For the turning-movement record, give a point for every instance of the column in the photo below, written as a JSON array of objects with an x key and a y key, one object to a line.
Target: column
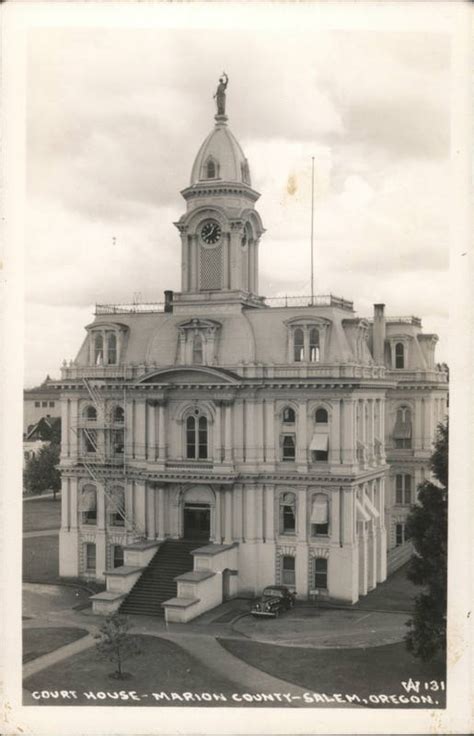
[
  {"x": 348, "y": 442},
  {"x": 370, "y": 430},
  {"x": 161, "y": 431},
  {"x": 348, "y": 512},
  {"x": 150, "y": 513},
  {"x": 64, "y": 427},
  {"x": 217, "y": 518},
  {"x": 225, "y": 263},
  {"x": 195, "y": 263},
  {"x": 238, "y": 433},
  {"x": 249, "y": 509},
  {"x": 101, "y": 508},
  {"x": 65, "y": 503},
  {"x": 129, "y": 508},
  {"x": 140, "y": 506},
  {"x": 301, "y": 434},
  {"x": 237, "y": 512},
  {"x": 417, "y": 426},
  {"x": 184, "y": 260},
  {"x": 140, "y": 429},
  {"x": 129, "y": 431},
  {"x": 270, "y": 430},
  {"x": 258, "y": 512},
  {"x": 151, "y": 434},
  {"x": 217, "y": 450},
  {"x": 269, "y": 513},
  {"x": 250, "y": 431},
  {"x": 302, "y": 516},
  {"x": 73, "y": 513},
  {"x": 228, "y": 517},
  {"x": 334, "y": 434},
  {"x": 259, "y": 438},
  {"x": 73, "y": 430},
  {"x": 228, "y": 432},
  {"x": 334, "y": 517},
  {"x": 161, "y": 513},
  {"x": 235, "y": 259}
]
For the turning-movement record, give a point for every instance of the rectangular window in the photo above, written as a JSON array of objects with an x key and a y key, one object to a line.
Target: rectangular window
[
  {"x": 51, "y": 403},
  {"x": 320, "y": 573},
  {"x": 288, "y": 447},
  {"x": 399, "y": 534},
  {"x": 37, "y": 404},
  {"x": 90, "y": 517},
  {"x": 90, "y": 557},
  {"x": 44, "y": 403},
  {"x": 288, "y": 570},
  {"x": 289, "y": 521},
  {"x": 118, "y": 558},
  {"x": 318, "y": 530},
  {"x": 403, "y": 489}
]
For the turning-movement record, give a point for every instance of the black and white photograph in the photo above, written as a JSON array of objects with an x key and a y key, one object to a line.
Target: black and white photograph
[{"x": 239, "y": 327}]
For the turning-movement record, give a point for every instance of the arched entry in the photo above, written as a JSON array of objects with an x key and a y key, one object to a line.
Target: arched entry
[{"x": 198, "y": 503}]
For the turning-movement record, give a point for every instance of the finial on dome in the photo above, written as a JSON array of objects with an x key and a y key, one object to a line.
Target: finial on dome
[{"x": 219, "y": 97}]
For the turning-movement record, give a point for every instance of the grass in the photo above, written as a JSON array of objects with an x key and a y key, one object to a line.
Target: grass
[
  {"x": 41, "y": 559},
  {"x": 162, "y": 667},
  {"x": 368, "y": 671},
  {"x": 41, "y": 514},
  {"x": 37, "y": 642}
]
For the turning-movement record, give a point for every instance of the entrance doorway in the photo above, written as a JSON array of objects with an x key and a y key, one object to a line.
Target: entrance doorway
[{"x": 197, "y": 521}]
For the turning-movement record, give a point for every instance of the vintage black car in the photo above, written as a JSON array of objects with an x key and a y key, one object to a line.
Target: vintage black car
[{"x": 275, "y": 598}]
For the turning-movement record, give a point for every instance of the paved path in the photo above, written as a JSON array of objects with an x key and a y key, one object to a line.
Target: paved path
[{"x": 36, "y": 665}]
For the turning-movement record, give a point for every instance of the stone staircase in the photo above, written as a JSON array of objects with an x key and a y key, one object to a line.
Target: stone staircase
[{"x": 157, "y": 582}]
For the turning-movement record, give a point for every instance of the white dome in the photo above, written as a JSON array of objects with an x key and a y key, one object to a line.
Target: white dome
[{"x": 221, "y": 158}]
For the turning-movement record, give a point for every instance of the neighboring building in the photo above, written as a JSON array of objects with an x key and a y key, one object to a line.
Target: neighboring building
[
  {"x": 259, "y": 428},
  {"x": 41, "y": 434},
  {"x": 41, "y": 401}
]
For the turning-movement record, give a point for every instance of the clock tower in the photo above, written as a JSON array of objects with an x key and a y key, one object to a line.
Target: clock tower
[{"x": 221, "y": 230}]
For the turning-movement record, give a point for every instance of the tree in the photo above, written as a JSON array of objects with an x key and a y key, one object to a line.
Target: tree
[
  {"x": 427, "y": 527},
  {"x": 116, "y": 644},
  {"x": 41, "y": 472}
]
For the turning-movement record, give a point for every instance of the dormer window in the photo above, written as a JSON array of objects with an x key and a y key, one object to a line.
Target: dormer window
[
  {"x": 298, "y": 345},
  {"x": 314, "y": 345},
  {"x": 99, "y": 349},
  {"x": 399, "y": 355},
  {"x": 198, "y": 342},
  {"x": 306, "y": 339}
]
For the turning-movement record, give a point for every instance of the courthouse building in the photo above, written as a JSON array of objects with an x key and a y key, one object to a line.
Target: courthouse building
[{"x": 233, "y": 441}]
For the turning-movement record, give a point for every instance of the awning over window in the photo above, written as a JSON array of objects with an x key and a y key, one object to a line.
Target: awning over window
[
  {"x": 320, "y": 442},
  {"x": 370, "y": 508},
  {"x": 87, "y": 500},
  {"x": 362, "y": 514},
  {"x": 319, "y": 511}
]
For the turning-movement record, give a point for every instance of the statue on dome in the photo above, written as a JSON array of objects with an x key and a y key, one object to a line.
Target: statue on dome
[{"x": 220, "y": 93}]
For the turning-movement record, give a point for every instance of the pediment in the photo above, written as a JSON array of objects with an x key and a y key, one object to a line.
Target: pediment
[
  {"x": 188, "y": 375},
  {"x": 198, "y": 323}
]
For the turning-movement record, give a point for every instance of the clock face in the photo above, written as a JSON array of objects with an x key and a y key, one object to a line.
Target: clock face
[{"x": 211, "y": 232}]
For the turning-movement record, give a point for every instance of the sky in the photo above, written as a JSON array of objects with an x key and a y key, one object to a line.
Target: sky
[{"x": 116, "y": 116}]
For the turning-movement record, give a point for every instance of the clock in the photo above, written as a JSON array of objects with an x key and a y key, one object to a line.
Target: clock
[{"x": 211, "y": 232}]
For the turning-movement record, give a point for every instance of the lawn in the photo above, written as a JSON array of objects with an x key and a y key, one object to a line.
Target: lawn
[
  {"x": 37, "y": 642},
  {"x": 163, "y": 667},
  {"x": 41, "y": 513},
  {"x": 41, "y": 559},
  {"x": 376, "y": 670}
]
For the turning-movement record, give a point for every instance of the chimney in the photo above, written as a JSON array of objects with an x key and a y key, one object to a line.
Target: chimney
[
  {"x": 378, "y": 338},
  {"x": 168, "y": 300}
]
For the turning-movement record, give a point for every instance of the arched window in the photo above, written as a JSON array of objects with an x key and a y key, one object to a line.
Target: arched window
[
  {"x": 298, "y": 342},
  {"x": 399, "y": 355},
  {"x": 111, "y": 348},
  {"x": 320, "y": 570},
  {"x": 98, "y": 349},
  {"x": 287, "y": 513},
  {"x": 288, "y": 415},
  {"x": 210, "y": 169},
  {"x": 320, "y": 515},
  {"x": 197, "y": 349},
  {"x": 314, "y": 345},
  {"x": 402, "y": 432},
  {"x": 196, "y": 437},
  {"x": 118, "y": 415},
  {"x": 116, "y": 506},
  {"x": 88, "y": 504},
  {"x": 90, "y": 412},
  {"x": 321, "y": 416}
]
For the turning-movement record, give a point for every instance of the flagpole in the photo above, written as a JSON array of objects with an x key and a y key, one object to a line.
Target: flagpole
[{"x": 312, "y": 230}]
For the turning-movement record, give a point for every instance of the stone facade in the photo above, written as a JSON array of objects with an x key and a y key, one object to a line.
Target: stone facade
[{"x": 277, "y": 426}]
